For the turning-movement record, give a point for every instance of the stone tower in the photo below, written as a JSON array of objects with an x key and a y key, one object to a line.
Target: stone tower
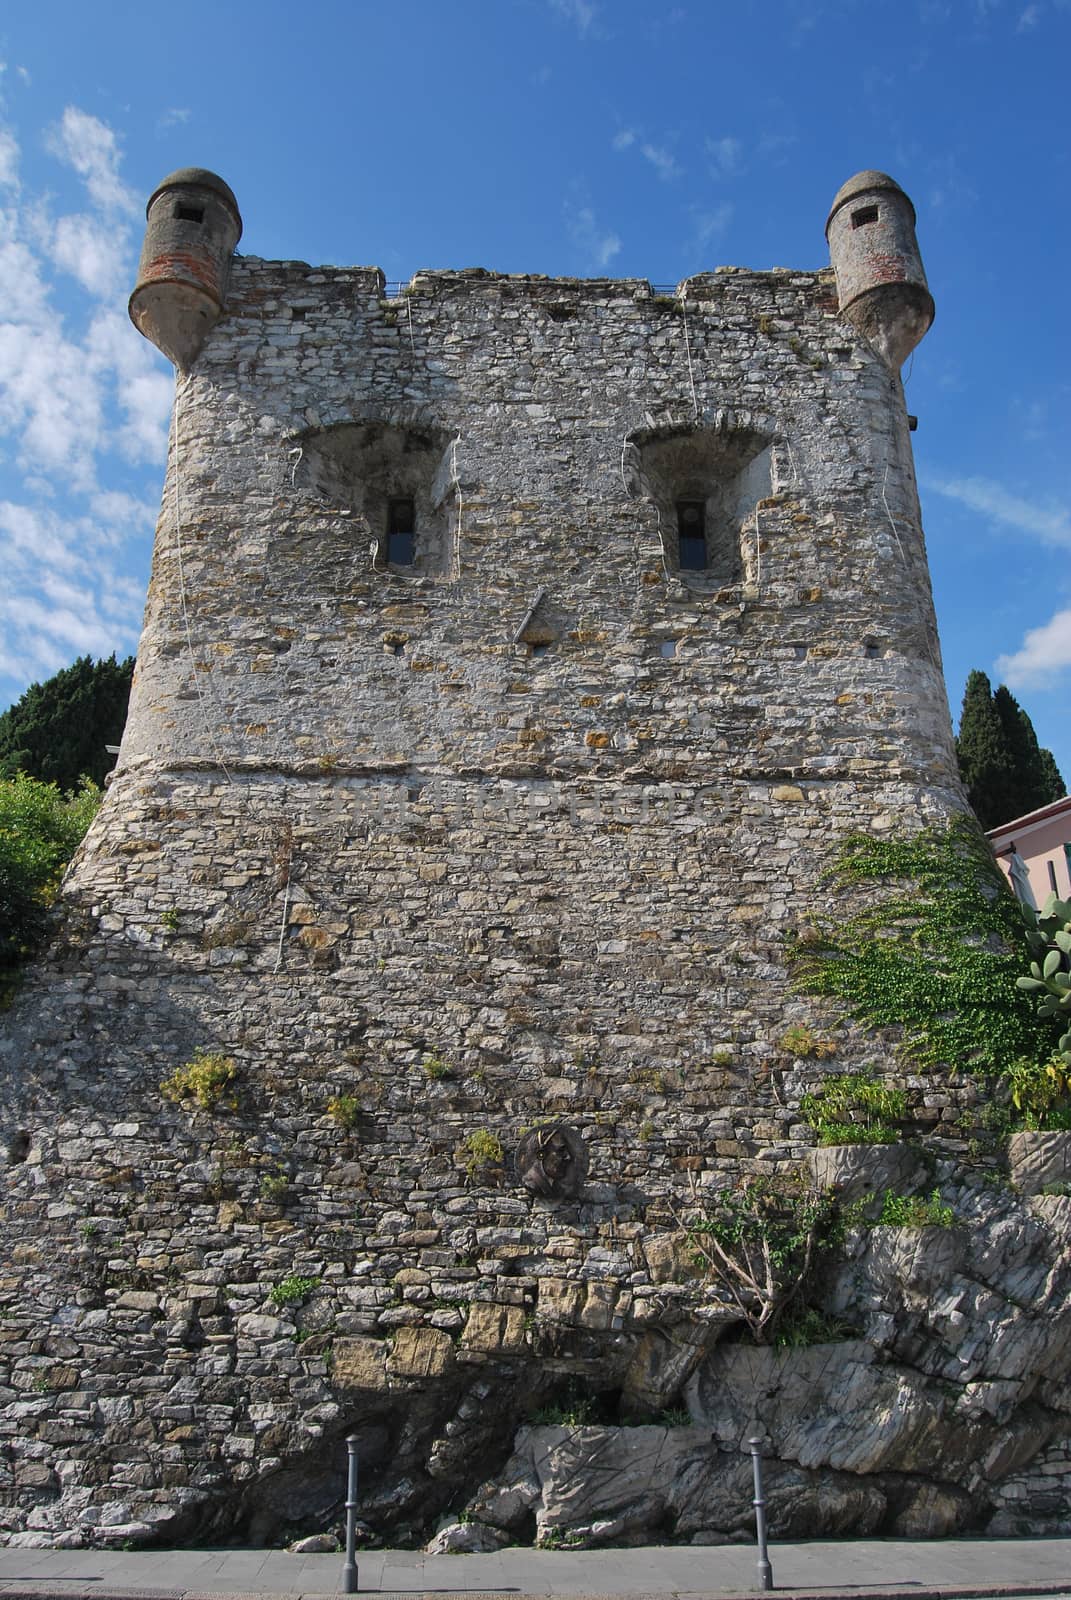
[{"x": 515, "y": 651}]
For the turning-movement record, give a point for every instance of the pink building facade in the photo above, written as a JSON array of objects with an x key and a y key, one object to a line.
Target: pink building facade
[{"x": 1035, "y": 852}]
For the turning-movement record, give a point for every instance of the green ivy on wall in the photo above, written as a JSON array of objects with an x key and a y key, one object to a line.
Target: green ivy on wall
[{"x": 936, "y": 953}]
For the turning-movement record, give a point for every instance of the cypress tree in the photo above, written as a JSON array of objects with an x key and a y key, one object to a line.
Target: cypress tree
[
  {"x": 1028, "y": 787},
  {"x": 985, "y": 763},
  {"x": 1054, "y": 783},
  {"x": 58, "y": 730},
  {"x": 1005, "y": 771}
]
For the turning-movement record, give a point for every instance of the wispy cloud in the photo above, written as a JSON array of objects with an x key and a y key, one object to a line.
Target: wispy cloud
[
  {"x": 725, "y": 157},
  {"x": 90, "y": 147},
  {"x": 599, "y": 247},
  {"x": 581, "y": 13},
  {"x": 660, "y": 156},
  {"x": 1050, "y": 523},
  {"x": 661, "y": 159},
  {"x": 173, "y": 117},
  {"x": 9, "y": 160},
  {"x": 1043, "y": 656},
  {"x": 710, "y": 226}
]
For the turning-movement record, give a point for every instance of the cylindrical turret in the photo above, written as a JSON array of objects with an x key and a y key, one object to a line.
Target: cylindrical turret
[
  {"x": 192, "y": 229},
  {"x": 881, "y": 285}
]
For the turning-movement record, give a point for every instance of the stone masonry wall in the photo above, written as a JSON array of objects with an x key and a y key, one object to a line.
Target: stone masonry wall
[{"x": 509, "y": 836}]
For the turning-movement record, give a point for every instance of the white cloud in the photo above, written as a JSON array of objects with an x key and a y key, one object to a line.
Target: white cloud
[
  {"x": 1051, "y": 523},
  {"x": 710, "y": 226},
  {"x": 89, "y": 146},
  {"x": 92, "y": 252},
  {"x": 119, "y": 355},
  {"x": 659, "y": 155},
  {"x": 725, "y": 156},
  {"x": 661, "y": 159},
  {"x": 173, "y": 117},
  {"x": 581, "y": 13},
  {"x": 9, "y": 160},
  {"x": 61, "y": 600},
  {"x": 51, "y": 400},
  {"x": 599, "y": 248},
  {"x": 84, "y": 402},
  {"x": 1044, "y": 654}
]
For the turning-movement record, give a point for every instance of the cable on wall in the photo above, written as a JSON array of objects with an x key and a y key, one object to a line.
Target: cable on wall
[
  {"x": 888, "y": 513},
  {"x": 456, "y": 483}
]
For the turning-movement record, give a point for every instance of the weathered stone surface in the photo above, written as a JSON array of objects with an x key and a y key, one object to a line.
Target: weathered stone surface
[
  {"x": 498, "y": 1329},
  {"x": 1038, "y": 1159},
  {"x": 865, "y": 1171},
  {"x": 420, "y": 1353},
  {"x": 359, "y": 1363},
  {"x": 466, "y": 1538}
]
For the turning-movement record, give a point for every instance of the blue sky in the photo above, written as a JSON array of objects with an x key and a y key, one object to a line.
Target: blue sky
[{"x": 580, "y": 137}]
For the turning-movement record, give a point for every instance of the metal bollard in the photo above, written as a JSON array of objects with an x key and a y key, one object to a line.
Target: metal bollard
[
  {"x": 349, "y": 1571},
  {"x": 765, "y": 1571}
]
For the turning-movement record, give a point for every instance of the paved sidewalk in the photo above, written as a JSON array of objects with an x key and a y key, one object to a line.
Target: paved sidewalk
[{"x": 869, "y": 1568}]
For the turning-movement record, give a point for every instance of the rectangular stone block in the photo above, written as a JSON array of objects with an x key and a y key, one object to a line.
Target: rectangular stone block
[
  {"x": 359, "y": 1363},
  {"x": 494, "y": 1328},
  {"x": 420, "y": 1353}
]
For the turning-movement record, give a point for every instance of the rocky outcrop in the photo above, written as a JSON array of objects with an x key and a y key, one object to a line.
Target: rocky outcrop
[{"x": 948, "y": 1412}]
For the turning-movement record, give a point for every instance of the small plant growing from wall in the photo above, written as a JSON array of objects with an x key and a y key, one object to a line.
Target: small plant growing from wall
[
  {"x": 275, "y": 1188},
  {"x": 293, "y": 1291},
  {"x": 481, "y": 1152},
  {"x": 436, "y": 1068},
  {"x": 799, "y": 1040},
  {"x": 344, "y": 1110},
  {"x": 1041, "y": 1091},
  {"x": 855, "y": 1109},
  {"x": 203, "y": 1079},
  {"x": 915, "y": 1211}
]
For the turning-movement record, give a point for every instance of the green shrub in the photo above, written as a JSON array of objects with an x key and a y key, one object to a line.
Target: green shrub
[
  {"x": 40, "y": 829},
  {"x": 855, "y": 1109},
  {"x": 915, "y": 1211},
  {"x": 761, "y": 1243}
]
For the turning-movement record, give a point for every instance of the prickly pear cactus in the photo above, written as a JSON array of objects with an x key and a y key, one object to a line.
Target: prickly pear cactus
[{"x": 1048, "y": 933}]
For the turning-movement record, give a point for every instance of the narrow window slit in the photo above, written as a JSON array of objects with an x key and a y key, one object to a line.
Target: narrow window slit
[
  {"x": 692, "y": 535},
  {"x": 401, "y": 533},
  {"x": 866, "y": 215},
  {"x": 189, "y": 213}
]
